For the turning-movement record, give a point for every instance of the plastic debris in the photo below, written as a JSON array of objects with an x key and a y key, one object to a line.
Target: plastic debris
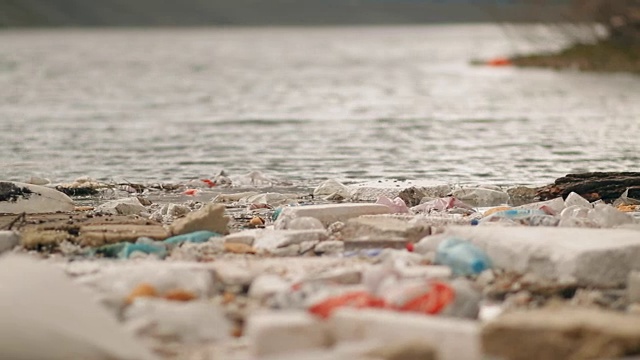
[
  {"x": 442, "y": 204},
  {"x": 358, "y": 300},
  {"x": 194, "y": 237},
  {"x": 462, "y": 257},
  {"x": 396, "y": 205}
]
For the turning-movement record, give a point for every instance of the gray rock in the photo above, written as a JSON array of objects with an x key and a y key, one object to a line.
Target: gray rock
[
  {"x": 16, "y": 198},
  {"x": 8, "y": 240}
]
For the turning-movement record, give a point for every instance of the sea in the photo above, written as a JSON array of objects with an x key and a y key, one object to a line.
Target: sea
[{"x": 305, "y": 104}]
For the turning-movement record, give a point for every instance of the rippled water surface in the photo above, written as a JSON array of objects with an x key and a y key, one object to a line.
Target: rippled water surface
[{"x": 305, "y": 104}]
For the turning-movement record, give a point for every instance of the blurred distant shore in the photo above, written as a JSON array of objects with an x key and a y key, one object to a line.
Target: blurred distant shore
[{"x": 604, "y": 56}]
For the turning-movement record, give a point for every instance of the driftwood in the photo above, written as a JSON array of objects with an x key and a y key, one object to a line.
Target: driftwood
[{"x": 593, "y": 186}]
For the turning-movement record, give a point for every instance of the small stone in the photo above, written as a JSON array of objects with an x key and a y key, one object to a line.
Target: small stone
[
  {"x": 176, "y": 210},
  {"x": 481, "y": 196},
  {"x": 305, "y": 223},
  {"x": 405, "y": 350},
  {"x": 633, "y": 286},
  {"x": 8, "y": 240},
  {"x": 267, "y": 285},
  {"x": 330, "y": 247},
  {"x": 290, "y": 250},
  {"x": 239, "y": 248},
  {"x": 412, "y": 196},
  {"x": 128, "y": 206}
]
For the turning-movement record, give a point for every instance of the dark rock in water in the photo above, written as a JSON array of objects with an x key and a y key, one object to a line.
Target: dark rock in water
[
  {"x": 11, "y": 192},
  {"x": 412, "y": 196},
  {"x": 593, "y": 186},
  {"x": 77, "y": 191}
]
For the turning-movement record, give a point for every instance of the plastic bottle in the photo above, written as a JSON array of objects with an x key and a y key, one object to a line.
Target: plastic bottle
[{"x": 462, "y": 257}]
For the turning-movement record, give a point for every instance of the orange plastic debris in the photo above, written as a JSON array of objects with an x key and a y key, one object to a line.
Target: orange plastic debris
[
  {"x": 627, "y": 208},
  {"x": 358, "y": 299},
  {"x": 499, "y": 61},
  {"x": 495, "y": 210},
  {"x": 179, "y": 295},
  {"x": 256, "y": 221},
  {"x": 142, "y": 290}
]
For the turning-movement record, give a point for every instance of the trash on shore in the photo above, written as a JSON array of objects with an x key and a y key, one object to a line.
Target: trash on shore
[{"x": 263, "y": 268}]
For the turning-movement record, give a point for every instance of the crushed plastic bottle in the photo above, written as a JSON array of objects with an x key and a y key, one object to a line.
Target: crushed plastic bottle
[
  {"x": 462, "y": 257},
  {"x": 514, "y": 214}
]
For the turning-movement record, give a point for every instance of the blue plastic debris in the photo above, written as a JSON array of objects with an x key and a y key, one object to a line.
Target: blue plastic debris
[
  {"x": 276, "y": 213},
  {"x": 363, "y": 253},
  {"x": 475, "y": 222},
  {"x": 158, "y": 249},
  {"x": 194, "y": 237},
  {"x": 516, "y": 214},
  {"x": 462, "y": 257}
]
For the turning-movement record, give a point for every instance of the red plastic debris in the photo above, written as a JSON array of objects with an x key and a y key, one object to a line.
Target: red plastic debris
[
  {"x": 433, "y": 301},
  {"x": 209, "y": 183},
  {"x": 358, "y": 300},
  {"x": 410, "y": 247},
  {"x": 190, "y": 192},
  {"x": 499, "y": 61}
]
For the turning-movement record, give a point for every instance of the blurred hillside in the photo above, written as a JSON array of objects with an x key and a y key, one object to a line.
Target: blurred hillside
[{"x": 43, "y": 13}]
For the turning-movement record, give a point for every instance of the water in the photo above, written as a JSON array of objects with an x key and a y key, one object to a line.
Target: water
[{"x": 305, "y": 104}]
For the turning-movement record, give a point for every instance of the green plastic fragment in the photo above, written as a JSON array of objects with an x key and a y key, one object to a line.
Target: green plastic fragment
[
  {"x": 194, "y": 237},
  {"x": 159, "y": 249}
]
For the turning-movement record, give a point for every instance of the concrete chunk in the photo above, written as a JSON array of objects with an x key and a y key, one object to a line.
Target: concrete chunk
[
  {"x": 562, "y": 334},
  {"x": 453, "y": 339},
  {"x": 330, "y": 213},
  {"x": 210, "y": 217},
  {"x": 272, "y": 239},
  {"x": 370, "y": 191},
  {"x": 126, "y": 206},
  {"x": 381, "y": 226},
  {"x": 282, "y": 333},
  {"x": 590, "y": 257},
  {"x": 46, "y": 316}
]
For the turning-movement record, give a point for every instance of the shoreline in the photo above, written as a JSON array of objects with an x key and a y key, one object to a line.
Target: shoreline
[{"x": 605, "y": 56}]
